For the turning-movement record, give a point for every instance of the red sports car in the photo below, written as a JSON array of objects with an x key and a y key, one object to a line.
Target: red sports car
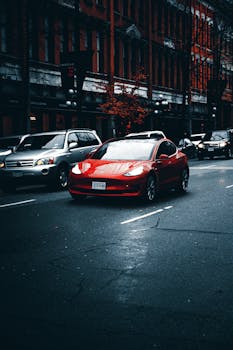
[{"x": 130, "y": 168}]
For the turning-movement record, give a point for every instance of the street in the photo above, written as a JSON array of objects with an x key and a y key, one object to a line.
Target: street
[{"x": 112, "y": 273}]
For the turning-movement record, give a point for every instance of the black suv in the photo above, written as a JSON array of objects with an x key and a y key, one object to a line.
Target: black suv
[
  {"x": 47, "y": 157},
  {"x": 216, "y": 143}
]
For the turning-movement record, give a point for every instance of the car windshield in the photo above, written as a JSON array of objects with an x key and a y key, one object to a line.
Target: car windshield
[
  {"x": 216, "y": 135},
  {"x": 196, "y": 138},
  {"x": 36, "y": 142},
  {"x": 9, "y": 143},
  {"x": 126, "y": 150}
]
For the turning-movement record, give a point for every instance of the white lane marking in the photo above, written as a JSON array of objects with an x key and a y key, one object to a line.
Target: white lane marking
[
  {"x": 212, "y": 167},
  {"x": 169, "y": 207},
  {"x": 229, "y": 186},
  {"x": 16, "y": 203},
  {"x": 145, "y": 215}
]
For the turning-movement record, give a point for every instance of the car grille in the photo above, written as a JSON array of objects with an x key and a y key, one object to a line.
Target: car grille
[{"x": 18, "y": 164}]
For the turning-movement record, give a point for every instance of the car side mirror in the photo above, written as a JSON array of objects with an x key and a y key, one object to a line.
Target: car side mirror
[
  {"x": 73, "y": 145},
  {"x": 163, "y": 156}
]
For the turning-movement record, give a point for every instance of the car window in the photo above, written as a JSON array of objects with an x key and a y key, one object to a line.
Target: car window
[
  {"x": 92, "y": 139},
  {"x": 216, "y": 135},
  {"x": 72, "y": 137},
  {"x": 83, "y": 139},
  {"x": 37, "y": 142},
  {"x": 167, "y": 148},
  {"x": 125, "y": 150}
]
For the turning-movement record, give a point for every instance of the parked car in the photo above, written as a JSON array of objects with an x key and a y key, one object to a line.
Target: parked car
[
  {"x": 151, "y": 134},
  {"x": 130, "y": 168},
  {"x": 186, "y": 146},
  {"x": 47, "y": 157},
  {"x": 196, "y": 138},
  {"x": 216, "y": 143},
  {"x": 9, "y": 143}
]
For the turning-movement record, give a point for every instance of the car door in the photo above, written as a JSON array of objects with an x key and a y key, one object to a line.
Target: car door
[
  {"x": 75, "y": 152},
  {"x": 167, "y": 167}
]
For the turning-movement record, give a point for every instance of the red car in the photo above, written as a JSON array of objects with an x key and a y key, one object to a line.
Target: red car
[{"x": 130, "y": 168}]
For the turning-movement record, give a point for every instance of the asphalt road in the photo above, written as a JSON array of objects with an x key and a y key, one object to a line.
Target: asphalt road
[{"x": 117, "y": 273}]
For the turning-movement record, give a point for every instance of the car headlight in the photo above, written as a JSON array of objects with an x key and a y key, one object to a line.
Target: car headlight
[
  {"x": 200, "y": 145},
  {"x": 45, "y": 161},
  {"x": 76, "y": 170},
  {"x": 135, "y": 172},
  {"x": 2, "y": 164},
  {"x": 222, "y": 144}
]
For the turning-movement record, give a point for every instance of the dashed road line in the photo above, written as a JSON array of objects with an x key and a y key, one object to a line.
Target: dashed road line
[
  {"x": 211, "y": 167},
  {"x": 146, "y": 215},
  {"x": 16, "y": 203},
  {"x": 229, "y": 186}
]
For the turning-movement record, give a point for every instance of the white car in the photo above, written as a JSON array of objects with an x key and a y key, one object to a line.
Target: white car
[
  {"x": 196, "y": 138},
  {"x": 151, "y": 134}
]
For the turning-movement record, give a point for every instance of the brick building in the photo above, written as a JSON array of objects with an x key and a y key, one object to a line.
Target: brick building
[{"x": 185, "y": 47}]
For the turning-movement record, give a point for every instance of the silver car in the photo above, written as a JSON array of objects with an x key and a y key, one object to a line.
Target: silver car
[{"x": 46, "y": 158}]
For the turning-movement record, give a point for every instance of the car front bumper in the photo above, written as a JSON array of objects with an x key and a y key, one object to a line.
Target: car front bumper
[{"x": 37, "y": 174}]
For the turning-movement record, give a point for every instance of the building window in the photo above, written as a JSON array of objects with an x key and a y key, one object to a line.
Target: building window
[
  {"x": 116, "y": 55},
  {"x": 133, "y": 60},
  {"x": 132, "y": 9},
  {"x": 166, "y": 20},
  {"x": 100, "y": 52},
  {"x": 125, "y": 8},
  {"x": 33, "y": 37},
  {"x": 160, "y": 68},
  {"x": 46, "y": 38},
  {"x": 159, "y": 17},
  {"x": 141, "y": 13},
  {"x": 88, "y": 40},
  {"x": 125, "y": 60},
  {"x": 3, "y": 29},
  {"x": 116, "y": 5},
  {"x": 99, "y": 2}
]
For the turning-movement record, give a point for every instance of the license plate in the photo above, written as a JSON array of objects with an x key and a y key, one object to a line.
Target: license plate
[
  {"x": 97, "y": 185},
  {"x": 210, "y": 149}
]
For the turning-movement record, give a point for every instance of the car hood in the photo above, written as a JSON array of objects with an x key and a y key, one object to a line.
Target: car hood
[
  {"x": 5, "y": 152},
  {"x": 34, "y": 154},
  {"x": 96, "y": 167}
]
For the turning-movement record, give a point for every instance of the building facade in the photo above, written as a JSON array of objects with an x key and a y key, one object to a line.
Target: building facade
[{"x": 184, "y": 46}]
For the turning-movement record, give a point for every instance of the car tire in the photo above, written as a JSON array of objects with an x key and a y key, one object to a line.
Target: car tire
[
  {"x": 200, "y": 157},
  {"x": 61, "y": 180},
  {"x": 184, "y": 179},
  {"x": 150, "y": 189}
]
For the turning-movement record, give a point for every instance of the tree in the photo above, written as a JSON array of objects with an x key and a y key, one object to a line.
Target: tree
[{"x": 126, "y": 104}]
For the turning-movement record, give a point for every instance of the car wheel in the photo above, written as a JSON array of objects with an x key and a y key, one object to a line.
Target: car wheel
[
  {"x": 62, "y": 177},
  {"x": 151, "y": 189},
  {"x": 184, "y": 179}
]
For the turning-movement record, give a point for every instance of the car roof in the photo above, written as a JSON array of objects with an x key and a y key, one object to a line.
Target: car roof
[
  {"x": 61, "y": 132},
  {"x": 149, "y": 132}
]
